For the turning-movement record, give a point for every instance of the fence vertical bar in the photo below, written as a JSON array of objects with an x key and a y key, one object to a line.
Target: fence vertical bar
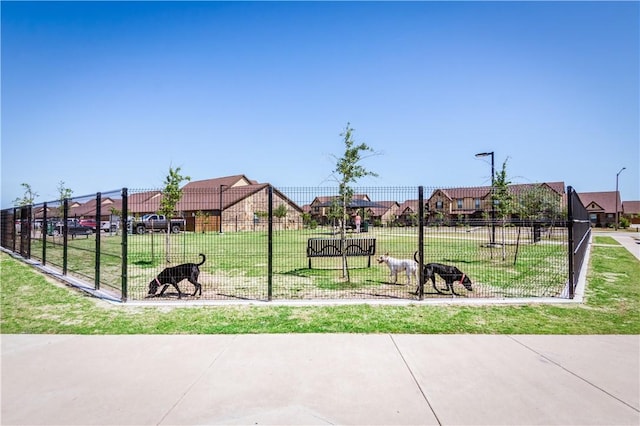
[
  {"x": 421, "y": 242},
  {"x": 13, "y": 230},
  {"x": 270, "y": 245},
  {"x": 65, "y": 235},
  {"x": 44, "y": 230},
  {"x": 570, "y": 224},
  {"x": 125, "y": 230},
  {"x": 98, "y": 217},
  {"x": 25, "y": 237}
]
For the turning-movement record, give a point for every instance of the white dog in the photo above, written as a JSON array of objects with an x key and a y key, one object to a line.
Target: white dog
[{"x": 399, "y": 265}]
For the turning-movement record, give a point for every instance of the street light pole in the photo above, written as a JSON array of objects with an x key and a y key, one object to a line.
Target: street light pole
[
  {"x": 493, "y": 204},
  {"x": 616, "y": 195}
]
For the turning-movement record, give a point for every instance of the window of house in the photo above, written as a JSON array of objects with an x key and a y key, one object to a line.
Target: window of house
[
  {"x": 477, "y": 203},
  {"x": 459, "y": 203},
  {"x": 439, "y": 204}
]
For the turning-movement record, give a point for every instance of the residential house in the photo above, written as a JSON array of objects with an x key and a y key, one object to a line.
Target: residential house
[
  {"x": 89, "y": 208},
  {"x": 320, "y": 207},
  {"x": 407, "y": 214},
  {"x": 451, "y": 205},
  {"x": 602, "y": 207},
  {"x": 240, "y": 202},
  {"x": 385, "y": 214},
  {"x": 631, "y": 211}
]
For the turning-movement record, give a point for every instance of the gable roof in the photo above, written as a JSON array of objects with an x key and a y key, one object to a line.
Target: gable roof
[
  {"x": 89, "y": 208},
  {"x": 484, "y": 191},
  {"x": 408, "y": 207},
  {"x": 605, "y": 201},
  {"x": 386, "y": 206},
  {"x": 209, "y": 198},
  {"x": 631, "y": 207},
  {"x": 329, "y": 198},
  {"x": 228, "y": 181}
]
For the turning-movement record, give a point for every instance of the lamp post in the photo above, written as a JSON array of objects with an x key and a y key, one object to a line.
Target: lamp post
[
  {"x": 221, "y": 207},
  {"x": 493, "y": 204},
  {"x": 616, "y": 195}
]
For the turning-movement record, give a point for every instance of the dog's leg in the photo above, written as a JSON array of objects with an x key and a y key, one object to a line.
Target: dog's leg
[
  {"x": 432, "y": 275},
  {"x": 452, "y": 290},
  {"x": 175, "y": 284},
  {"x": 193, "y": 279},
  {"x": 163, "y": 290},
  {"x": 197, "y": 285}
]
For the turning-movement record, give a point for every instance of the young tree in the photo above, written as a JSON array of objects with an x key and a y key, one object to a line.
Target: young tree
[
  {"x": 63, "y": 192},
  {"x": 171, "y": 195},
  {"x": 504, "y": 201},
  {"x": 28, "y": 198},
  {"x": 348, "y": 170},
  {"x": 281, "y": 213}
]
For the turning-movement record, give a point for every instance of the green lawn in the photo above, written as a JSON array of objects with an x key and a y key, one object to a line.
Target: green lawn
[
  {"x": 32, "y": 303},
  {"x": 237, "y": 263}
]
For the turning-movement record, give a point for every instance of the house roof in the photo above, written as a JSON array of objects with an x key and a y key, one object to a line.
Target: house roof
[
  {"x": 205, "y": 195},
  {"x": 209, "y": 198},
  {"x": 605, "y": 201},
  {"x": 228, "y": 181},
  {"x": 89, "y": 208},
  {"x": 409, "y": 206},
  {"x": 631, "y": 207},
  {"x": 381, "y": 211},
  {"x": 326, "y": 199},
  {"x": 143, "y": 202},
  {"x": 484, "y": 191}
]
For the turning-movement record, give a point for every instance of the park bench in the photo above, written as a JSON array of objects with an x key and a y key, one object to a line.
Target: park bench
[{"x": 330, "y": 247}]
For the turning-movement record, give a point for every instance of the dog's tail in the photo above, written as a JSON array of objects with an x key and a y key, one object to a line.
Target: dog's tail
[
  {"x": 415, "y": 257},
  {"x": 204, "y": 259}
]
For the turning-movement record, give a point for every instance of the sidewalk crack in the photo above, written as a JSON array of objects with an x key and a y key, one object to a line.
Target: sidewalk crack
[
  {"x": 415, "y": 379},
  {"x": 196, "y": 381},
  {"x": 557, "y": 364}
]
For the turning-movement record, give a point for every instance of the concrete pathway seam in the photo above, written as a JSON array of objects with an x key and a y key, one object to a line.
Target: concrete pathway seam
[
  {"x": 573, "y": 374},
  {"x": 413, "y": 376},
  {"x": 195, "y": 382}
]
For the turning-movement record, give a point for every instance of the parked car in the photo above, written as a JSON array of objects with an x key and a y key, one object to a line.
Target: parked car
[
  {"x": 108, "y": 226},
  {"x": 156, "y": 222},
  {"x": 73, "y": 228},
  {"x": 90, "y": 223}
]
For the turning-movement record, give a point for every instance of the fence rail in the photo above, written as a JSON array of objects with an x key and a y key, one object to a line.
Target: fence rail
[{"x": 256, "y": 243}]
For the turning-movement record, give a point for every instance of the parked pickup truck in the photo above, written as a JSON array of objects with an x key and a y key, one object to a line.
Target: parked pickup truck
[{"x": 156, "y": 222}]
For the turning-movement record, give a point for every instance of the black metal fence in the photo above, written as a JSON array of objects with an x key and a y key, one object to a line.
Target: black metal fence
[
  {"x": 579, "y": 236},
  {"x": 265, "y": 243}
]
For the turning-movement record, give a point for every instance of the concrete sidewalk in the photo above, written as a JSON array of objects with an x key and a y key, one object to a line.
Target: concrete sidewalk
[{"x": 320, "y": 379}]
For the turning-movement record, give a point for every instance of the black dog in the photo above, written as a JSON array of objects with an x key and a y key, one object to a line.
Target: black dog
[
  {"x": 449, "y": 274},
  {"x": 173, "y": 275}
]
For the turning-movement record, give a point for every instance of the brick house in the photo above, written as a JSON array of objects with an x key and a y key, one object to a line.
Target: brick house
[
  {"x": 465, "y": 204},
  {"x": 242, "y": 203},
  {"x": 631, "y": 211},
  {"x": 319, "y": 208},
  {"x": 602, "y": 207}
]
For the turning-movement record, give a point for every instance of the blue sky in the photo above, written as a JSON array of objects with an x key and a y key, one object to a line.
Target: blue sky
[{"x": 105, "y": 95}]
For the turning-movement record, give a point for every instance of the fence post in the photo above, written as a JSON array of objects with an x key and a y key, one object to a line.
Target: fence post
[
  {"x": 570, "y": 224},
  {"x": 98, "y": 217},
  {"x": 25, "y": 237},
  {"x": 125, "y": 230},
  {"x": 44, "y": 229},
  {"x": 13, "y": 230},
  {"x": 65, "y": 235},
  {"x": 421, "y": 242},
  {"x": 270, "y": 244}
]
